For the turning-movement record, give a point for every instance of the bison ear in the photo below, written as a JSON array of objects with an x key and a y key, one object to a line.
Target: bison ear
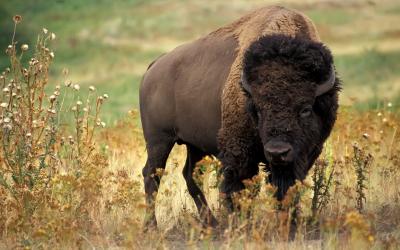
[{"x": 245, "y": 85}]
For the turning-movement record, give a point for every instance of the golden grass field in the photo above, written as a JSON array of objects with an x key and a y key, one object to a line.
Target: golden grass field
[{"x": 70, "y": 172}]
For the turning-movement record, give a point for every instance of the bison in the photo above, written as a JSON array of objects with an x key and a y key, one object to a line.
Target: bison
[{"x": 262, "y": 89}]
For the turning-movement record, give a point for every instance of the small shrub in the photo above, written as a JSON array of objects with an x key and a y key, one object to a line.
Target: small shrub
[
  {"x": 50, "y": 182},
  {"x": 361, "y": 162}
]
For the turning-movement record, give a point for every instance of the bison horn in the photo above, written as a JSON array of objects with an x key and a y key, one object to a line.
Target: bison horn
[
  {"x": 245, "y": 85},
  {"x": 328, "y": 84}
]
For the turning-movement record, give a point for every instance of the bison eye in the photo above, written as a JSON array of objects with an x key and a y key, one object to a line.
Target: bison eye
[{"x": 306, "y": 112}]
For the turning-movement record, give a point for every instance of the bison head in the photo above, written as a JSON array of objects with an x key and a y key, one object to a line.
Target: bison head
[{"x": 292, "y": 100}]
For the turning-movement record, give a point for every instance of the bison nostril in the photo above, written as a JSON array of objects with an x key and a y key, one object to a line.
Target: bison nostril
[{"x": 280, "y": 151}]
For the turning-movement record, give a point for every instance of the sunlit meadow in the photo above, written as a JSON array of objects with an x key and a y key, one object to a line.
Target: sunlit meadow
[{"x": 70, "y": 173}]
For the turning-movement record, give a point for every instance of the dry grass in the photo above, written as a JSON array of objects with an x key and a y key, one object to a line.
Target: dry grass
[{"x": 63, "y": 186}]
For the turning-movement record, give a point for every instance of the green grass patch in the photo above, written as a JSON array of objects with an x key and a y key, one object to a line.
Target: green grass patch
[
  {"x": 331, "y": 16},
  {"x": 368, "y": 68}
]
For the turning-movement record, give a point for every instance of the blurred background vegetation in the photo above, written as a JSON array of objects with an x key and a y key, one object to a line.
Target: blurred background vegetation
[{"x": 109, "y": 44}]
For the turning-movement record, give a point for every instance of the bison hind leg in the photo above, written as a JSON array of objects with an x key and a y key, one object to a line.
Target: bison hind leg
[
  {"x": 193, "y": 156},
  {"x": 157, "y": 155}
]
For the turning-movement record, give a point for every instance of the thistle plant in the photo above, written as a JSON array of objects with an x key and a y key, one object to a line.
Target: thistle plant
[
  {"x": 41, "y": 166},
  {"x": 322, "y": 180},
  {"x": 361, "y": 162},
  {"x": 28, "y": 120}
]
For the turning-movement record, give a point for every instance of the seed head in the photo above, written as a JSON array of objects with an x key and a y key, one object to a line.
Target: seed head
[
  {"x": 17, "y": 19},
  {"x": 103, "y": 124},
  {"x": 6, "y": 90},
  {"x": 74, "y": 108},
  {"x": 78, "y": 103},
  {"x": 76, "y": 87},
  {"x": 45, "y": 30},
  {"x": 6, "y": 120},
  {"x": 51, "y": 111},
  {"x": 9, "y": 50},
  {"x": 51, "y": 55},
  {"x": 52, "y": 36},
  {"x": 52, "y": 98},
  {"x": 68, "y": 83},
  {"x": 24, "y": 47},
  {"x": 28, "y": 135},
  {"x": 33, "y": 62},
  {"x": 105, "y": 96},
  {"x": 92, "y": 88},
  {"x": 4, "y": 105},
  {"x": 7, "y": 127},
  {"x": 389, "y": 104}
]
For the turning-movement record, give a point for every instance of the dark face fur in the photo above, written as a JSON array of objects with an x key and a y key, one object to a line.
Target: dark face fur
[{"x": 283, "y": 104}]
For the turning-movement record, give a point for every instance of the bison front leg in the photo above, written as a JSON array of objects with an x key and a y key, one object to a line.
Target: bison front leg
[{"x": 237, "y": 165}]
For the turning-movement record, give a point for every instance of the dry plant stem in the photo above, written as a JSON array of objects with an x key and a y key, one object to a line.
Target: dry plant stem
[{"x": 391, "y": 145}]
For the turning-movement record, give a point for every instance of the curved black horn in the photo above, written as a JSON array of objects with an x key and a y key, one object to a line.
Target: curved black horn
[
  {"x": 245, "y": 85},
  {"x": 328, "y": 84}
]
